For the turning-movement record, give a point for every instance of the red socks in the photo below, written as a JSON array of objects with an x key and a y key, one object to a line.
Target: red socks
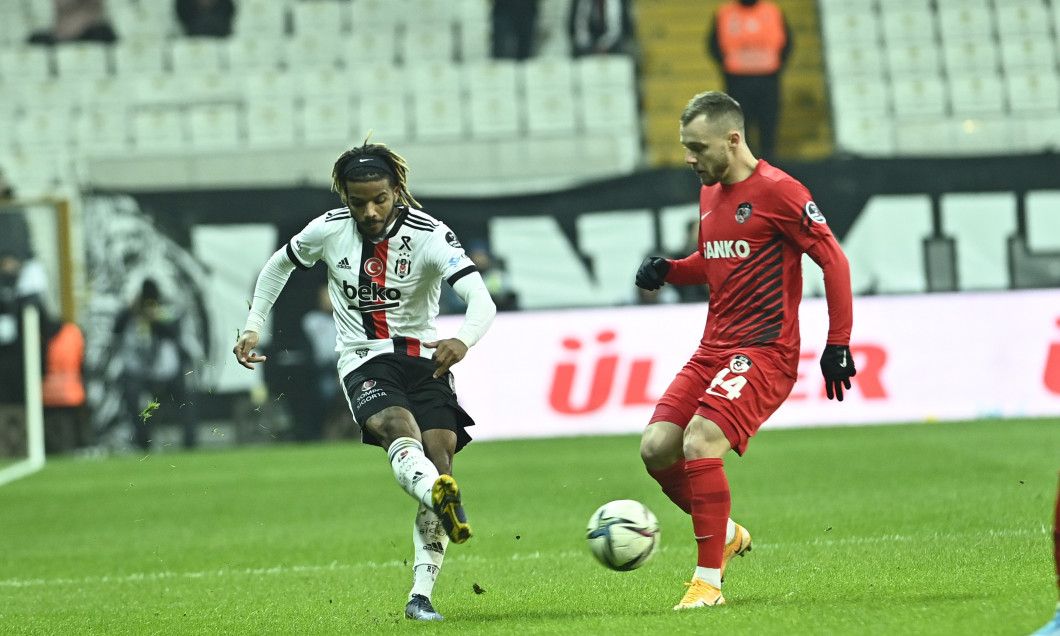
[
  {"x": 674, "y": 484},
  {"x": 711, "y": 503}
]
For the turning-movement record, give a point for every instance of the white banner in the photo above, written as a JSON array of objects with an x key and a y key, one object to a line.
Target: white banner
[{"x": 919, "y": 358}]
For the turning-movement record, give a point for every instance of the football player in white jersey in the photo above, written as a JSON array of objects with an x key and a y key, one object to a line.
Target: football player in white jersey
[{"x": 386, "y": 260}]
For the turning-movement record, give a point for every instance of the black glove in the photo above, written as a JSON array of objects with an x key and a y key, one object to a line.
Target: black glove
[
  {"x": 837, "y": 365},
  {"x": 652, "y": 272}
]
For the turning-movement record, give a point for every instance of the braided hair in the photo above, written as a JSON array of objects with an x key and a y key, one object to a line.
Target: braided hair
[{"x": 371, "y": 162}]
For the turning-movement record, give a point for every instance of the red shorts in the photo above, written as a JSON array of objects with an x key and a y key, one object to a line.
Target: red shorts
[{"x": 737, "y": 389}]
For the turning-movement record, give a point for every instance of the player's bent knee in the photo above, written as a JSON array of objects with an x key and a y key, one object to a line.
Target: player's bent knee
[
  {"x": 659, "y": 448},
  {"x": 391, "y": 423}
]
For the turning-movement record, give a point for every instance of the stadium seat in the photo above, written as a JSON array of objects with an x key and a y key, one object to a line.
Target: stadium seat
[
  {"x": 1042, "y": 230},
  {"x": 45, "y": 126},
  {"x": 159, "y": 88},
  {"x": 973, "y": 54},
  {"x": 214, "y": 126},
  {"x": 438, "y": 14},
  {"x": 609, "y": 112},
  {"x": 473, "y": 41},
  {"x": 965, "y": 23},
  {"x": 139, "y": 55},
  {"x": 494, "y": 76},
  {"x": 201, "y": 54},
  {"x": 270, "y": 123},
  {"x": 386, "y": 115},
  {"x": 1033, "y": 91},
  {"x": 327, "y": 121},
  {"x": 82, "y": 60},
  {"x": 912, "y": 57},
  {"x": 985, "y": 134},
  {"x": 323, "y": 18},
  {"x": 387, "y": 78},
  {"x": 923, "y": 136},
  {"x": 864, "y": 134},
  {"x": 973, "y": 92},
  {"x": 23, "y": 62},
  {"x": 260, "y": 19},
  {"x": 495, "y": 115},
  {"x": 852, "y": 59},
  {"x": 323, "y": 83},
  {"x": 309, "y": 50},
  {"x": 907, "y": 25},
  {"x": 108, "y": 91},
  {"x": 46, "y": 93},
  {"x": 615, "y": 72},
  {"x": 1022, "y": 18},
  {"x": 1039, "y": 131},
  {"x": 262, "y": 52},
  {"x": 550, "y": 111},
  {"x": 158, "y": 129},
  {"x": 267, "y": 85},
  {"x": 947, "y": 5},
  {"x": 1027, "y": 53},
  {"x": 548, "y": 72},
  {"x": 208, "y": 87},
  {"x": 438, "y": 76},
  {"x": 850, "y": 25},
  {"x": 427, "y": 42},
  {"x": 369, "y": 45},
  {"x": 439, "y": 115},
  {"x": 143, "y": 19},
  {"x": 373, "y": 15},
  {"x": 919, "y": 94},
  {"x": 861, "y": 95},
  {"x": 102, "y": 129}
]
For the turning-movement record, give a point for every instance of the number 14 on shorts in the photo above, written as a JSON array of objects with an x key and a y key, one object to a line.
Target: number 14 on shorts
[{"x": 725, "y": 386}]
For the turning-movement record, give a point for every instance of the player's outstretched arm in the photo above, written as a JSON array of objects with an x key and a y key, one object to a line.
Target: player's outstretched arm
[{"x": 244, "y": 350}]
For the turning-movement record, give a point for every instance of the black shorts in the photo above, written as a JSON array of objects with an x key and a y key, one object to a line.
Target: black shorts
[{"x": 409, "y": 382}]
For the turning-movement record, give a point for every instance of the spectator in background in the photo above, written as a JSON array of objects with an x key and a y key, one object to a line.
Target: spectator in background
[
  {"x": 599, "y": 27},
  {"x": 318, "y": 324},
  {"x": 147, "y": 334},
  {"x": 77, "y": 21},
  {"x": 514, "y": 24},
  {"x": 13, "y": 300},
  {"x": 494, "y": 275},
  {"x": 211, "y": 18},
  {"x": 751, "y": 41}
]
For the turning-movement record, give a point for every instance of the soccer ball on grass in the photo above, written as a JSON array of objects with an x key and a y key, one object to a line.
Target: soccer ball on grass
[{"x": 623, "y": 534}]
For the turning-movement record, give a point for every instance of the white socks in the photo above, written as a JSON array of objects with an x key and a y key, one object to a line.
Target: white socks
[
  {"x": 429, "y": 540},
  {"x": 412, "y": 469},
  {"x": 713, "y": 575}
]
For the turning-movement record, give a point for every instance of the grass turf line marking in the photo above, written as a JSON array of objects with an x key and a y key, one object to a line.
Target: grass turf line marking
[{"x": 335, "y": 566}]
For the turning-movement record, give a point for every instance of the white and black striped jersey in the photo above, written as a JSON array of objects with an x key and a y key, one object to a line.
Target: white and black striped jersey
[{"x": 385, "y": 294}]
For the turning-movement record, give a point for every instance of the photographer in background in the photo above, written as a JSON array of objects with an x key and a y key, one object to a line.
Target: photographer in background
[{"x": 147, "y": 334}]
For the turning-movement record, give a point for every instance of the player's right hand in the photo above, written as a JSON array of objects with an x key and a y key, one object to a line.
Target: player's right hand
[
  {"x": 652, "y": 273},
  {"x": 837, "y": 366},
  {"x": 244, "y": 349}
]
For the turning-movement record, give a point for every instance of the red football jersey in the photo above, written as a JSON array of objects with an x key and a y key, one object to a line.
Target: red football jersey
[{"x": 752, "y": 235}]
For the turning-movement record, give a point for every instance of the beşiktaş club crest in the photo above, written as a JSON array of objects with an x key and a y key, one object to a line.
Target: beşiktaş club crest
[
  {"x": 452, "y": 240},
  {"x": 739, "y": 363},
  {"x": 402, "y": 265},
  {"x": 743, "y": 212}
]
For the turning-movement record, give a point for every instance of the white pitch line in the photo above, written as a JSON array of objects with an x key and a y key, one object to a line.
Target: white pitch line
[{"x": 335, "y": 566}]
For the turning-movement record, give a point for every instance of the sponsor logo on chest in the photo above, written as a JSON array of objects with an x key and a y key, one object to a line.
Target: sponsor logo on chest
[{"x": 726, "y": 249}]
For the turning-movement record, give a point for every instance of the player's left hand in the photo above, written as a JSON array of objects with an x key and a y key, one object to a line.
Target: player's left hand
[
  {"x": 446, "y": 353},
  {"x": 837, "y": 365}
]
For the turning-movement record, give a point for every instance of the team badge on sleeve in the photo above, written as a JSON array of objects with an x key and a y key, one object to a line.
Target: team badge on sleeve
[
  {"x": 452, "y": 240},
  {"x": 813, "y": 213}
]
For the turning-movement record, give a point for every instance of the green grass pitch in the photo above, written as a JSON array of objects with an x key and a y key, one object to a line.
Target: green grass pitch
[{"x": 918, "y": 529}]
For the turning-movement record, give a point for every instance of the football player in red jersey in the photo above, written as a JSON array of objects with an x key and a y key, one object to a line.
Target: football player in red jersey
[
  {"x": 756, "y": 222},
  {"x": 1052, "y": 628}
]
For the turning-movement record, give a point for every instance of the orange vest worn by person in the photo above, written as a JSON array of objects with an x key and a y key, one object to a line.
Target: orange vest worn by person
[
  {"x": 751, "y": 38},
  {"x": 62, "y": 385}
]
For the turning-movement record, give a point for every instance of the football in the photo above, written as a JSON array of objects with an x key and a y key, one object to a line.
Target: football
[{"x": 623, "y": 534}]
